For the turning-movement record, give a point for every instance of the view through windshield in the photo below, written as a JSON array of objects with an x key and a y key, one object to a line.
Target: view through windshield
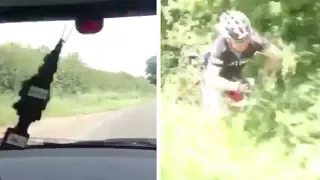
[{"x": 105, "y": 83}]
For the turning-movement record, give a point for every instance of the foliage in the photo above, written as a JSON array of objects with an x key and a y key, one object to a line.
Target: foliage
[
  {"x": 76, "y": 88},
  {"x": 284, "y": 109},
  {"x": 76, "y": 104},
  {"x": 151, "y": 70},
  {"x": 18, "y": 63}
]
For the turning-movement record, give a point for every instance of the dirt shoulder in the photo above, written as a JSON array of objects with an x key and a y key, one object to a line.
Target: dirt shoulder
[{"x": 62, "y": 127}]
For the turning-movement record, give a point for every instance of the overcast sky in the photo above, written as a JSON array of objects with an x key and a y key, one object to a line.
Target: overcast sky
[{"x": 123, "y": 45}]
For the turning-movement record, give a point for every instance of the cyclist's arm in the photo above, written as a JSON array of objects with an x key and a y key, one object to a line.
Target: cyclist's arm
[{"x": 213, "y": 78}]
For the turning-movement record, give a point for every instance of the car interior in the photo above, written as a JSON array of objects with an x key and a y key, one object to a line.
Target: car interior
[{"x": 111, "y": 159}]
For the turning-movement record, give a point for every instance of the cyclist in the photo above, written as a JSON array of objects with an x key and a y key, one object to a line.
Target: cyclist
[{"x": 227, "y": 56}]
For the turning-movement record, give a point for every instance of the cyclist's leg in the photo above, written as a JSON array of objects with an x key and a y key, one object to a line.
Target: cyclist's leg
[{"x": 213, "y": 102}]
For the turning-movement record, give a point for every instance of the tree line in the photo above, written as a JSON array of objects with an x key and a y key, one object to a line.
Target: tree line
[{"x": 19, "y": 62}]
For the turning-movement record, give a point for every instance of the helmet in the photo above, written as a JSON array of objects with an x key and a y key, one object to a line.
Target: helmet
[{"x": 234, "y": 24}]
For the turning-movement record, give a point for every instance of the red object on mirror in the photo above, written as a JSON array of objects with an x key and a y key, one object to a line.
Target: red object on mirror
[{"x": 89, "y": 26}]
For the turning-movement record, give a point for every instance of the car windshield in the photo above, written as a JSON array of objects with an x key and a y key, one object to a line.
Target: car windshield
[{"x": 105, "y": 83}]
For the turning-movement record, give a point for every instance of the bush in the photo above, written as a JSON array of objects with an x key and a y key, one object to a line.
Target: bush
[
  {"x": 76, "y": 88},
  {"x": 277, "y": 136}
]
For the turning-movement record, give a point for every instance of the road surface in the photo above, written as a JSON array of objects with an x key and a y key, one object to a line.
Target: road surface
[
  {"x": 136, "y": 122},
  {"x": 133, "y": 122}
]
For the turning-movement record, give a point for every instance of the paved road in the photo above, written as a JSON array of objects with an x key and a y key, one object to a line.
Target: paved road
[{"x": 137, "y": 122}]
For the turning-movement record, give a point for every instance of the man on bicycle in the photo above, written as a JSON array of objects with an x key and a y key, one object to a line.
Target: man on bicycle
[{"x": 227, "y": 56}]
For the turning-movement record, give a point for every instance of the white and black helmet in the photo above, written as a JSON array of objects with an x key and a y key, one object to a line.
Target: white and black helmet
[{"x": 234, "y": 24}]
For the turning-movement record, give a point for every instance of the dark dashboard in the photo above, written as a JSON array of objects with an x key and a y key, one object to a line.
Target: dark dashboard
[{"x": 78, "y": 164}]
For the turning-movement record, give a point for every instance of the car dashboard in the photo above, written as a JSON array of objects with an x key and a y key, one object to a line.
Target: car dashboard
[{"x": 78, "y": 164}]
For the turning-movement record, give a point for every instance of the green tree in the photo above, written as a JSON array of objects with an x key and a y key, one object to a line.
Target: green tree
[
  {"x": 19, "y": 62},
  {"x": 151, "y": 70}
]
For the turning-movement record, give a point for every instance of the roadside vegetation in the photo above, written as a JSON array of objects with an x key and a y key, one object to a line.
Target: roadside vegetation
[
  {"x": 278, "y": 135},
  {"x": 76, "y": 89}
]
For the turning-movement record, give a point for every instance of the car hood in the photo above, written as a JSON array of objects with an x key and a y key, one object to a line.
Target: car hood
[{"x": 40, "y": 140}]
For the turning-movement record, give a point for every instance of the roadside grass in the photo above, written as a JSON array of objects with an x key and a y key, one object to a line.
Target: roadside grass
[
  {"x": 194, "y": 146},
  {"x": 94, "y": 102}
]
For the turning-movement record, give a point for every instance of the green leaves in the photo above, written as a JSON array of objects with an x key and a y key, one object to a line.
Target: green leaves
[
  {"x": 151, "y": 70},
  {"x": 19, "y": 62},
  {"x": 292, "y": 25}
]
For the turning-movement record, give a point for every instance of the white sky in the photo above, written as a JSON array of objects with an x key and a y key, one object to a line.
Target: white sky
[{"x": 124, "y": 44}]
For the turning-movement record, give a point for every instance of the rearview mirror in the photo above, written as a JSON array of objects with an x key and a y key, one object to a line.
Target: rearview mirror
[{"x": 89, "y": 26}]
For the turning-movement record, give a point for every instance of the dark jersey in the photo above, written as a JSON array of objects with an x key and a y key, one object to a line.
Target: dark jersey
[{"x": 232, "y": 63}]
